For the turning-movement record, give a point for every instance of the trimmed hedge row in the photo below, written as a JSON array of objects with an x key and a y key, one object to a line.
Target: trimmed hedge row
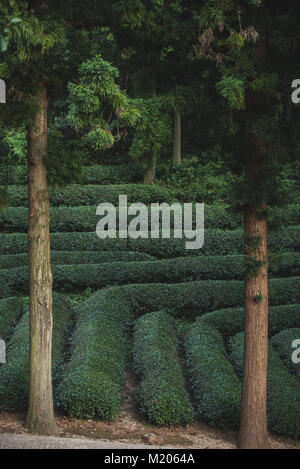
[
  {"x": 283, "y": 390},
  {"x": 81, "y": 257},
  {"x": 79, "y": 277},
  {"x": 14, "y": 375},
  {"x": 11, "y": 309},
  {"x": 230, "y": 321},
  {"x": 217, "y": 242},
  {"x": 74, "y": 195},
  {"x": 92, "y": 381},
  {"x": 81, "y": 219},
  {"x": 161, "y": 392},
  {"x": 215, "y": 386},
  {"x": 195, "y": 298},
  {"x": 282, "y": 344},
  {"x": 96, "y": 174}
]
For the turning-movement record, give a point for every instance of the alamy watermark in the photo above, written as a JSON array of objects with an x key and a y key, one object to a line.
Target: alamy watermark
[
  {"x": 2, "y": 352},
  {"x": 2, "y": 92},
  {"x": 296, "y": 92},
  {"x": 152, "y": 222},
  {"x": 296, "y": 353}
]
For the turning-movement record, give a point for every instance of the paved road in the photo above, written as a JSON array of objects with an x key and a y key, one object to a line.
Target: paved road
[{"x": 12, "y": 441}]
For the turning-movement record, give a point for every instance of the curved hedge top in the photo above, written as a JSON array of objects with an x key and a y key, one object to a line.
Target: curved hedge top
[
  {"x": 95, "y": 174},
  {"x": 78, "y": 277},
  {"x": 84, "y": 218},
  {"x": 217, "y": 242}
]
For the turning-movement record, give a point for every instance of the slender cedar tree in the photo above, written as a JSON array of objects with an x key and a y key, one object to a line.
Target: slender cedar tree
[
  {"x": 38, "y": 62},
  {"x": 29, "y": 65},
  {"x": 254, "y": 44}
]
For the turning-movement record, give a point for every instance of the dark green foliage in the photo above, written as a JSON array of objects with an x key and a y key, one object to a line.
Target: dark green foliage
[
  {"x": 93, "y": 379},
  {"x": 95, "y": 174},
  {"x": 216, "y": 387},
  {"x": 282, "y": 343},
  {"x": 14, "y": 175},
  {"x": 78, "y": 219},
  {"x": 79, "y": 277},
  {"x": 77, "y": 257},
  {"x": 125, "y": 174},
  {"x": 283, "y": 390},
  {"x": 11, "y": 309},
  {"x": 161, "y": 393},
  {"x": 217, "y": 242},
  {"x": 197, "y": 178},
  {"x": 14, "y": 375},
  {"x": 64, "y": 160},
  {"x": 75, "y": 194},
  {"x": 196, "y": 298},
  {"x": 230, "y": 321}
]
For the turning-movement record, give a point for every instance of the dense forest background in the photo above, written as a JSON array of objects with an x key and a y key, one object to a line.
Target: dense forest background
[
  {"x": 158, "y": 58},
  {"x": 162, "y": 100}
]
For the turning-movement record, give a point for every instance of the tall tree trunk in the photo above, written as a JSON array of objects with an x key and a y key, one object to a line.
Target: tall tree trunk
[
  {"x": 177, "y": 139},
  {"x": 253, "y": 427},
  {"x": 40, "y": 417},
  {"x": 151, "y": 170}
]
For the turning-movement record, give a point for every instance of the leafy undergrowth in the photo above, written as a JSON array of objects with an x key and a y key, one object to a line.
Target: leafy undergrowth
[{"x": 184, "y": 307}]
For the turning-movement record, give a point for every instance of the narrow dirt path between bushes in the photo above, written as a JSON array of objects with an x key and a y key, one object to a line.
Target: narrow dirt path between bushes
[
  {"x": 129, "y": 431},
  {"x": 124, "y": 433}
]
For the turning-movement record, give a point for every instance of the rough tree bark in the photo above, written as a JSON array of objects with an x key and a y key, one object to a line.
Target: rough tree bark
[
  {"x": 40, "y": 417},
  {"x": 253, "y": 427},
  {"x": 151, "y": 170},
  {"x": 177, "y": 139}
]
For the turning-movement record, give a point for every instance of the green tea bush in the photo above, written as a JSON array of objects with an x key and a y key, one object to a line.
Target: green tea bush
[
  {"x": 11, "y": 309},
  {"x": 282, "y": 344},
  {"x": 217, "y": 243},
  {"x": 76, "y": 194},
  {"x": 283, "y": 390},
  {"x": 14, "y": 175},
  {"x": 84, "y": 219},
  {"x": 216, "y": 388},
  {"x": 96, "y": 174},
  {"x": 14, "y": 374},
  {"x": 92, "y": 381},
  {"x": 230, "y": 321},
  {"x": 118, "y": 174},
  {"x": 196, "y": 298},
  {"x": 77, "y": 257},
  {"x": 161, "y": 392},
  {"x": 81, "y": 276}
]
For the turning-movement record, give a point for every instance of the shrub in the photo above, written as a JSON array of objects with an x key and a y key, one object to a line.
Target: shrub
[
  {"x": 84, "y": 219},
  {"x": 14, "y": 175},
  {"x": 282, "y": 344},
  {"x": 92, "y": 380},
  {"x": 217, "y": 242},
  {"x": 161, "y": 393},
  {"x": 82, "y": 276},
  {"x": 77, "y": 257},
  {"x": 283, "y": 390},
  {"x": 11, "y": 309},
  {"x": 14, "y": 375},
  {"x": 230, "y": 321},
  {"x": 196, "y": 298},
  {"x": 75, "y": 194},
  {"x": 215, "y": 386},
  {"x": 96, "y": 174}
]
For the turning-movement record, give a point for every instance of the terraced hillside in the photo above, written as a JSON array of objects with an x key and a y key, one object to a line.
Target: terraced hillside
[{"x": 174, "y": 315}]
